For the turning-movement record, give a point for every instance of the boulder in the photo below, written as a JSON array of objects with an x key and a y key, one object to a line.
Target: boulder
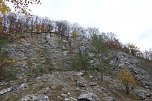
[
  {"x": 108, "y": 98},
  {"x": 23, "y": 86},
  {"x": 80, "y": 84},
  {"x": 70, "y": 99},
  {"x": 92, "y": 84},
  {"x": 78, "y": 73},
  {"x": 88, "y": 97},
  {"x": 3, "y": 91}
]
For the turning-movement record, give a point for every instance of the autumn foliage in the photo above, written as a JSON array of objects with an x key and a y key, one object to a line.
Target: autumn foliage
[
  {"x": 19, "y": 5},
  {"x": 127, "y": 79}
]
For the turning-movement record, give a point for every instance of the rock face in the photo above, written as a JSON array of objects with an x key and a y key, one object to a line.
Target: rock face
[
  {"x": 35, "y": 50},
  {"x": 88, "y": 97},
  {"x": 144, "y": 95},
  {"x": 143, "y": 78},
  {"x": 124, "y": 60}
]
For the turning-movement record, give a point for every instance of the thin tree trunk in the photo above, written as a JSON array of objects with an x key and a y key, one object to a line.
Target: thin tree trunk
[
  {"x": 101, "y": 76},
  {"x": 127, "y": 89}
]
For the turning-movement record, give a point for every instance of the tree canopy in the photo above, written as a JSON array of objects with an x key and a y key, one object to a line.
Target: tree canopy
[
  {"x": 19, "y": 5},
  {"x": 126, "y": 77},
  {"x": 3, "y": 7}
]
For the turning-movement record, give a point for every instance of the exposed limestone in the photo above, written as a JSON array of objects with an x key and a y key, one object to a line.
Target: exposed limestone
[
  {"x": 35, "y": 50},
  {"x": 35, "y": 98},
  {"x": 127, "y": 61},
  {"x": 6, "y": 90}
]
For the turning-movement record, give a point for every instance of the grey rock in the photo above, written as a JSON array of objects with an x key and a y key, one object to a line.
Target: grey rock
[
  {"x": 3, "y": 91},
  {"x": 80, "y": 84},
  {"x": 88, "y": 97},
  {"x": 93, "y": 84},
  {"x": 70, "y": 99},
  {"x": 42, "y": 98},
  {"x": 109, "y": 98},
  {"x": 142, "y": 96},
  {"x": 124, "y": 60},
  {"x": 47, "y": 90},
  {"x": 104, "y": 90},
  {"x": 23, "y": 86},
  {"x": 78, "y": 73},
  {"x": 35, "y": 98},
  {"x": 64, "y": 95},
  {"x": 28, "y": 98}
]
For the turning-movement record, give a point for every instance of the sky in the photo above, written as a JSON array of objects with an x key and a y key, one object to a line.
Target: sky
[{"x": 130, "y": 20}]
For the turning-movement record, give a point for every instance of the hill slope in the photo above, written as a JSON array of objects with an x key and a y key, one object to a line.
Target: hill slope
[{"x": 43, "y": 71}]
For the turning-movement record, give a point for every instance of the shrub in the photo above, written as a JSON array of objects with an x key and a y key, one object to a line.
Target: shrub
[
  {"x": 81, "y": 61},
  {"x": 38, "y": 71},
  {"x": 10, "y": 74},
  {"x": 3, "y": 41},
  {"x": 7, "y": 71},
  {"x": 48, "y": 64}
]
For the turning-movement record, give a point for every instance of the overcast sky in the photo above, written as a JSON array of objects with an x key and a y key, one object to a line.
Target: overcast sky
[{"x": 130, "y": 20}]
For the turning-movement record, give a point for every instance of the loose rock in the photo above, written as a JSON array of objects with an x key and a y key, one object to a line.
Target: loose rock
[{"x": 88, "y": 97}]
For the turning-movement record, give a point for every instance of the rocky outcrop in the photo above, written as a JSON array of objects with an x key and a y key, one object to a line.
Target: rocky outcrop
[
  {"x": 144, "y": 94},
  {"x": 34, "y": 50},
  {"x": 16, "y": 87},
  {"x": 123, "y": 60}
]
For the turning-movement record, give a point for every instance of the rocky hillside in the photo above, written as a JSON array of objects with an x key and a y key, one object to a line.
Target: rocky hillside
[{"x": 42, "y": 67}]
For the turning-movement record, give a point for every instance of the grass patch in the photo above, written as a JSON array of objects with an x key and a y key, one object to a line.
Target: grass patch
[{"x": 3, "y": 41}]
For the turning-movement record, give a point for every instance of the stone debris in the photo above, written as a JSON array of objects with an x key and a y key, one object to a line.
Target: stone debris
[
  {"x": 3, "y": 91},
  {"x": 68, "y": 85},
  {"x": 35, "y": 98},
  {"x": 80, "y": 84},
  {"x": 88, "y": 97},
  {"x": 70, "y": 99},
  {"x": 23, "y": 86},
  {"x": 109, "y": 98}
]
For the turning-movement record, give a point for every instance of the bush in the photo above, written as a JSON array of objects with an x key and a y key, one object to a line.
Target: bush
[
  {"x": 127, "y": 79},
  {"x": 10, "y": 74},
  {"x": 43, "y": 68},
  {"x": 81, "y": 61},
  {"x": 48, "y": 64},
  {"x": 38, "y": 71},
  {"x": 3, "y": 41},
  {"x": 7, "y": 71}
]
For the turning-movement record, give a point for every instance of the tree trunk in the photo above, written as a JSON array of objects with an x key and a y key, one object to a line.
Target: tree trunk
[
  {"x": 101, "y": 76},
  {"x": 127, "y": 89},
  {"x": 85, "y": 68}
]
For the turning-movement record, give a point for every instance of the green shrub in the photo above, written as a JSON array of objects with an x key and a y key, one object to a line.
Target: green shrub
[
  {"x": 48, "y": 64},
  {"x": 81, "y": 61},
  {"x": 10, "y": 74},
  {"x": 3, "y": 41},
  {"x": 38, "y": 71},
  {"x": 7, "y": 71}
]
